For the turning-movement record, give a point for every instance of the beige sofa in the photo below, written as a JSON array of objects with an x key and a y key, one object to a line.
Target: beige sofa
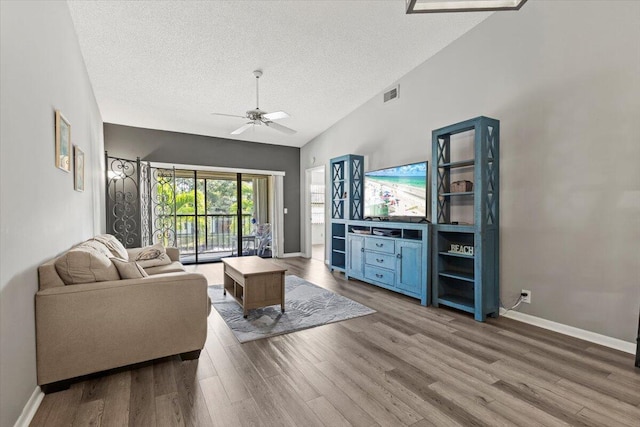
[{"x": 83, "y": 328}]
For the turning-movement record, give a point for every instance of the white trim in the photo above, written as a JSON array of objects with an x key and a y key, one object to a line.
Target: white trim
[
  {"x": 273, "y": 218},
  {"x": 306, "y": 212},
  {"x": 278, "y": 209},
  {"x": 30, "y": 408},
  {"x": 615, "y": 343},
  {"x": 215, "y": 169},
  {"x": 292, "y": 255}
]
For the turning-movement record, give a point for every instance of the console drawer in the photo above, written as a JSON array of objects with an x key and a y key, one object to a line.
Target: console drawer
[
  {"x": 380, "y": 245},
  {"x": 380, "y": 275},
  {"x": 380, "y": 260}
]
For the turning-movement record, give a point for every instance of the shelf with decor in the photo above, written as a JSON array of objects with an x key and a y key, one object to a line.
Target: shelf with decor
[{"x": 465, "y": 213}]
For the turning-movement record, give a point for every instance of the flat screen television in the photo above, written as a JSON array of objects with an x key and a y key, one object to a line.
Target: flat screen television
[{"x": 399, "y": 191}]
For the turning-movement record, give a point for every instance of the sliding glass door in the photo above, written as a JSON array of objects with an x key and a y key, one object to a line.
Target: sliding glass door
[
  {"x": 255, "y": 234},
  {"x": 210, "y": 223}
]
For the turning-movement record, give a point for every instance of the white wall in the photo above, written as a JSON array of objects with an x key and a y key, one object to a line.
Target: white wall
[
  {"x": 563, "y": 77},
  {"x": 317, "y": 234},
  {"x": 41, "y": 70}
]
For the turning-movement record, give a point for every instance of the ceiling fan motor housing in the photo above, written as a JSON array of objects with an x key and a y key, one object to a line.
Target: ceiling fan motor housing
[{"x": 255, "y": 114}]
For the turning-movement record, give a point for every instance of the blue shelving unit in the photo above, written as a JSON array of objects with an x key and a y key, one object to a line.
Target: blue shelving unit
[
  {"x": 347, "y": 203},
  {"x": 468, "y": 282}
]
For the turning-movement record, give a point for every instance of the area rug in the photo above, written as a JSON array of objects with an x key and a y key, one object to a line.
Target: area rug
[{"x": 306, "y": 306}]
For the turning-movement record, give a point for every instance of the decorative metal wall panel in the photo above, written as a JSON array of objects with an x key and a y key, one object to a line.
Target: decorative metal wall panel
[
  {"x": 140, "y": 203},
  {"x": 145, "y": 204},
  {"x": 123, "y": 195},
  {"x": 162, "y": 206}
]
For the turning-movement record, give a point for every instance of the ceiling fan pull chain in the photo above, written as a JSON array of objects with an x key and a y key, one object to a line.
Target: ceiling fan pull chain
[{"x": 257, "y": 93}]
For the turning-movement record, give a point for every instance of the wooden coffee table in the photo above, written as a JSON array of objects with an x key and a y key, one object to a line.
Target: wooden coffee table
[{"x": 254, "y": 282}]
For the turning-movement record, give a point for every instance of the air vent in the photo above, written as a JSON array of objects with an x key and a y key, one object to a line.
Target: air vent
[{"x": 392, "y": 94}]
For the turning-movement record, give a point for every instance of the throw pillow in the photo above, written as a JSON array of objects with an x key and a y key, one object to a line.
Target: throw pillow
[
  {"x": 114, "y": 245},
  {"x": 152, "y": 256},
  {"x": 129, "y": 269},
  {"x": 85, "y": 264}
]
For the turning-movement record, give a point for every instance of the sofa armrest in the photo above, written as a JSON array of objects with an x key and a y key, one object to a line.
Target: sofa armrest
[{"x": 81, "y": 329}]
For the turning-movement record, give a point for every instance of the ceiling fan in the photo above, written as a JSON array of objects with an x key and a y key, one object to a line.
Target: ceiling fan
[{"x": 257, "y": 117}]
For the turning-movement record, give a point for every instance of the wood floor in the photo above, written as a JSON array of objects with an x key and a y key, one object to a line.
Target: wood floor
[{"x": 404, "y": 365}]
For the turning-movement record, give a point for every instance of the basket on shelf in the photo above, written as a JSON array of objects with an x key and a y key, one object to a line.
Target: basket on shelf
[{"x": 461, "y": 186}]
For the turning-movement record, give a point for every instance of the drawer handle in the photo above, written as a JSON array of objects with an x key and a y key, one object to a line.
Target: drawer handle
[
  {"x": 379, "y": 245},
  {"x": 378, "y": 260},
  {"x": 379, "y": 276}
]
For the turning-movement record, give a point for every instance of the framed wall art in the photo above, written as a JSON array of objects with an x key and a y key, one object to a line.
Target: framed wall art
[
  {"x": 63, "y": 142},
  {"x": 78, "y": 168}
]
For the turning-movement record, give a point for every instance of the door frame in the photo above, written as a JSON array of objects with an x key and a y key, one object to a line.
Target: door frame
[
  {"x": 275, "y": 196},
  {"x": 307, "y": 211}
]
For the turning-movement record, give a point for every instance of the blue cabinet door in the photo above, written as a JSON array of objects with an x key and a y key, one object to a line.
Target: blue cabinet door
[
  {"x": 355, "y": 257},
  {"x": 409, "y": 268}
]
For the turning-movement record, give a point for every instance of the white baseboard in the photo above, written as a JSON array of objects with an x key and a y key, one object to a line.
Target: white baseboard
[
  {"x": 615, "y": 343},
  {"x": 30, "y": 408},
  {"x": 293, "y": 255}
]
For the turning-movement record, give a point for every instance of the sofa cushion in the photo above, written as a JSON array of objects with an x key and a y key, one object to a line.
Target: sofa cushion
[
  {"x": 85, "y": 264},
  {"x": 150, "y": 256},
  {"x": 129, "y": 269},
  {"x": 96, "y": 245},
  {"x": 48, "y": 277},
  {"x": 113, "y": 245},
  {"x": 174, "y": 267}
]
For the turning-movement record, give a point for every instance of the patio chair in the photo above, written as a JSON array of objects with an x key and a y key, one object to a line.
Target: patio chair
[{"x": 263, "y": 238}]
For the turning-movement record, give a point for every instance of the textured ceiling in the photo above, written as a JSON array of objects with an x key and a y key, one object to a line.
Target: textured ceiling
[{"x": 169, "y": 64}]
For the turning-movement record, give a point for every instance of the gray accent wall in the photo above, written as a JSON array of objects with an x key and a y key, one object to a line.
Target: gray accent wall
[
  {"x": 187, "y": 149},
  {"x": 41, "y": 70},
  {"x": 563, "y": 77}
]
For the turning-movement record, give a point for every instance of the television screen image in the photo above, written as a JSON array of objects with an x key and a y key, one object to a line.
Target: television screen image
[{"x": 397, "y": 191}]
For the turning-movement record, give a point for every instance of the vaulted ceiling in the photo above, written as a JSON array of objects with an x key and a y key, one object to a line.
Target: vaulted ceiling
[{"x": 168, "y": 64}]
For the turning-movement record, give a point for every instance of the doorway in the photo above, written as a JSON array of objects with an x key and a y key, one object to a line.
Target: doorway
[{"x": 316, "y": 213}]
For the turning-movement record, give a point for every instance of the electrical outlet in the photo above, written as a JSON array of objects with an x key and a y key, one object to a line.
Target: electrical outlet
[{"x": 526, "y": 296}]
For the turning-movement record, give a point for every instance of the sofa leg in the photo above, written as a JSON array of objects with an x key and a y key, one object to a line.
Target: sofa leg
[
  {"x": 190, "y": 355},
  {"x": 55, "y": 387}
]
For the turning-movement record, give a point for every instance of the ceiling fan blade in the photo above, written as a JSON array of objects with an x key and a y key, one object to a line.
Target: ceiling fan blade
[
  {"x": 228, "y": 115},
  {"x": 279, "y": 127},
  {"x": 242, "y": 128},
  {"x": 276, "y": 115}
]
